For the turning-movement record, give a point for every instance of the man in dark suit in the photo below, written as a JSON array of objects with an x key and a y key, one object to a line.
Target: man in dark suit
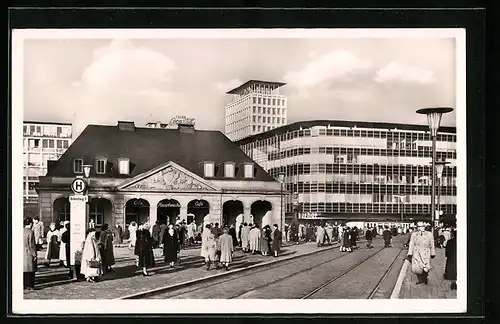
[
  {"x": 276, "y": 242},
  {"x": 387, "y": 235}
]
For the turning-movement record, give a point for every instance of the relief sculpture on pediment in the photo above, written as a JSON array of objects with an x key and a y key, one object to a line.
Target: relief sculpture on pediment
[{"x": 170, "y": 179}]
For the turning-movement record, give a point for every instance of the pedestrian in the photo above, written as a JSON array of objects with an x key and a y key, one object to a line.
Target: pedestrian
[
  {"x": 309, "y": 233},
  {"x": 320, "y": 235},
  {"x": 239, "y": 235},
  {"x": 368, "y": 237},
  {"x": 143, "y": 249},
  {"x": 354, "y": 237},
  {"x": 91, "y": 258},
  {"x": 181, "y": 234},
  {"x": 204, "y": 238},
  {"x": 329, "y": 233},
  {"x": 254, "y": 239},
  {"x": 66, "y": 250},
  {"x": 156, "y": 234},
  {"x": 210, "y": 248},
  {"x": 277, "y": 237},
  {"x": 191, "y": 232},
  {"x": 245, "y": 242},
  {"x": 420, "y": 252},
  {"x": 38, "y": 232},
  {"x": 117, "y": 235},
  {"x": 265, "y": 240},
  {"x": 107, "y": 253},
  {"x": 340, "y": 230},
  {"x": 450, "y": 272},
  {"x": 346, "y": 240},
  {"x": 30, "y": 255},
  {"x": 387, "y": 235},
  {"x": 232, "y": 232},
  {"x": 226, "y": 244},
  {"x": 52, "y": 244},
  {"x": 132, "y": 229},
  {"x": 171, "y": 245}
]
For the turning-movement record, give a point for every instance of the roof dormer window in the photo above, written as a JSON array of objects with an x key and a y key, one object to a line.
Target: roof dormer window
[
  {"x": 78, "y": 165},
  {"x": 249, "y": 170},
  {"x": 209, "y": 168},
  {"x": 123, "y": 166},
  {"x": 229, "y": 169},
  {"x": 100, "y": 166}
]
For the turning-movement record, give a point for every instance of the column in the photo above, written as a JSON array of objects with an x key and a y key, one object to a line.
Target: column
[
  {"x": 183, "y": 212},
  {"x": 153, "y": 215}
]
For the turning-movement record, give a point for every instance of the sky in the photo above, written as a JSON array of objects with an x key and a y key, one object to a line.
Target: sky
[{"x": 101, "y": 81}]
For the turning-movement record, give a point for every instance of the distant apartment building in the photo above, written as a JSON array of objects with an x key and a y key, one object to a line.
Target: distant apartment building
[
  {"x": 255, "y": 107},
  {"x": 42, "y": 141}
]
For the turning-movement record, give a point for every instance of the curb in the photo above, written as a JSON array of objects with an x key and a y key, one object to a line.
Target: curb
[
  {"x": 399, "y": 284},
  {"x": 220, "y": 275}
]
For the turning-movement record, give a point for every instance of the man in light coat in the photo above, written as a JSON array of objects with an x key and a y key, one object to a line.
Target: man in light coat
[
  {"x": 38, "y": 232},
  {"x": 420, "y": 252}
]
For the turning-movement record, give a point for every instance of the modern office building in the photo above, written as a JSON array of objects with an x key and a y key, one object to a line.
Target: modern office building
[
  {"x": 347, "y": 170},
  {"x": 42, "y": 142},
  {"x": 146, "y": 174},
  {"x": 255, "y": 107}
]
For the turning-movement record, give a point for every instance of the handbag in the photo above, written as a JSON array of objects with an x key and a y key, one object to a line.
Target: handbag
[{"x": 94, "y": 263}]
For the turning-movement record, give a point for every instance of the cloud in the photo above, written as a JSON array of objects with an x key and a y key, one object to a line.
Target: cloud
[
  {"x": 395, "y": 71},
  {"x": 123, "y": 67},
  {"x": 326, "y": 68},
  {"x": 225, "y": 86}
]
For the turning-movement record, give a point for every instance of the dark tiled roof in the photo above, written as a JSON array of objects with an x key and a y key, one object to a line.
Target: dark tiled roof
[
  {"x": 339, "y": 123},
  {"x": 148, "y": 148},
  {"x": 250, "y": 82},
  {"x": 45, "y": 123}
]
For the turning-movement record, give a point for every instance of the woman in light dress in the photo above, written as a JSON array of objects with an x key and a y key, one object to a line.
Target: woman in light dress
[
  {"x": 90, "y": 255},
  {"x": 62, "y": 248},
  {"x": 226, "y": 244},
  {"x": 204, "y": 237},
  {"x": 254, "y": 239},
  {"x": 210, "y": 248},
  {"x": 245, "y": 230},
  {"x": 132, "y": 229}
]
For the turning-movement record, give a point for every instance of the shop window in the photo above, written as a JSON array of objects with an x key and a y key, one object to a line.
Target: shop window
[
  {"x": 78, "y": 166},
  {"x": 209, "y": 169}
]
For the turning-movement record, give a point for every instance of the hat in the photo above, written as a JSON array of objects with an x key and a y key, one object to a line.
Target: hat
[{"x": 420, "y": 224}]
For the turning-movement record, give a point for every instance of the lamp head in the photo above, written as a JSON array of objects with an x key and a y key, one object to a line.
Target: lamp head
[
  {"x": 440, "y": 167},
  {"x": 281, "y": 177},
  {"x": 434, "y": 117},
  {"x": 86, "y": 170}
]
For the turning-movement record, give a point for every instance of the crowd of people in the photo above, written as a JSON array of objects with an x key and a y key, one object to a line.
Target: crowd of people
[{"x": 96, "y": 256}]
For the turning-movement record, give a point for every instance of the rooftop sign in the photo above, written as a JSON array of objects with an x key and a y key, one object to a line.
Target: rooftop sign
[{"x": 182, "y": 120}]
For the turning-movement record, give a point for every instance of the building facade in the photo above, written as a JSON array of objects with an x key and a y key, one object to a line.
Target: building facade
[
  {"x": 343, "y": 170},
  {"x": 42, "y": 142},
  {"x": 255, "y": 107},
  {"x": 146, "y": 174}
]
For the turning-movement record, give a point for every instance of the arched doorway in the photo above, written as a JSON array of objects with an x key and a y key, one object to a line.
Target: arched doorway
[
  {"x": 61, "y": 210},
  {"x": 100, "y": 210},
  {"x": 230, "y": 210},
  {"x": 136, "y": 210},
  {"x": 168, "y": 210},
  {"x": 259, "y": 209},
  {"x": 198, "y": 208}
]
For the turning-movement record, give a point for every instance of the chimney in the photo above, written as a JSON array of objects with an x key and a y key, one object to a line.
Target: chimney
[
  {"x": 186, "y": 128},
  {"x": 126, "y": 126}
]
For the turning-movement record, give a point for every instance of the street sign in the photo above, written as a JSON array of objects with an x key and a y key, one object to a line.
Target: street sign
[
  {"x": 81, "y": 198},
  {"x": 78, "y": 186}
]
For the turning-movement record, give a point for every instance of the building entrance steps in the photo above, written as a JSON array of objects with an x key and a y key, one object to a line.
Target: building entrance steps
[
  {"x": 52, "y": 283},
  {"x": 437, "y": 288}
]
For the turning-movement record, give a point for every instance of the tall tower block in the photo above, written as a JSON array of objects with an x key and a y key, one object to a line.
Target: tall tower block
[{"x": 255, "y": 107}]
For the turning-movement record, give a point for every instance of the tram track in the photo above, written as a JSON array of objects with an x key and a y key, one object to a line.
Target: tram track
[{"x": 169, "y": 292}]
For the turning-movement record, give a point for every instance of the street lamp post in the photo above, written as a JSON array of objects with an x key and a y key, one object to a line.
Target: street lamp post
[
  {"x": 434, "y": 120},
  {"x": 439, "y": 172},
  {"x": 401, "y": 206},
  {"x": 281, "y": 179}
]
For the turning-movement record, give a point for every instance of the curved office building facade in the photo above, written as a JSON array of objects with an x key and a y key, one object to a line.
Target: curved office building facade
[{"x": 343, "y": 170}]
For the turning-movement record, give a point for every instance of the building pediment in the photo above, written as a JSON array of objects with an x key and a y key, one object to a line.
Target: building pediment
[{"x": 168, "y": 177}]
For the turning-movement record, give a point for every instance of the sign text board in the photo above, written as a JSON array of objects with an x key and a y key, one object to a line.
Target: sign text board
[{"x": 78, "y": 210}]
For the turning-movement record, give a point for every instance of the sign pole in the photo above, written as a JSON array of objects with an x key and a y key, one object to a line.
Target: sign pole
[{"x": 78, "y": 216}]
